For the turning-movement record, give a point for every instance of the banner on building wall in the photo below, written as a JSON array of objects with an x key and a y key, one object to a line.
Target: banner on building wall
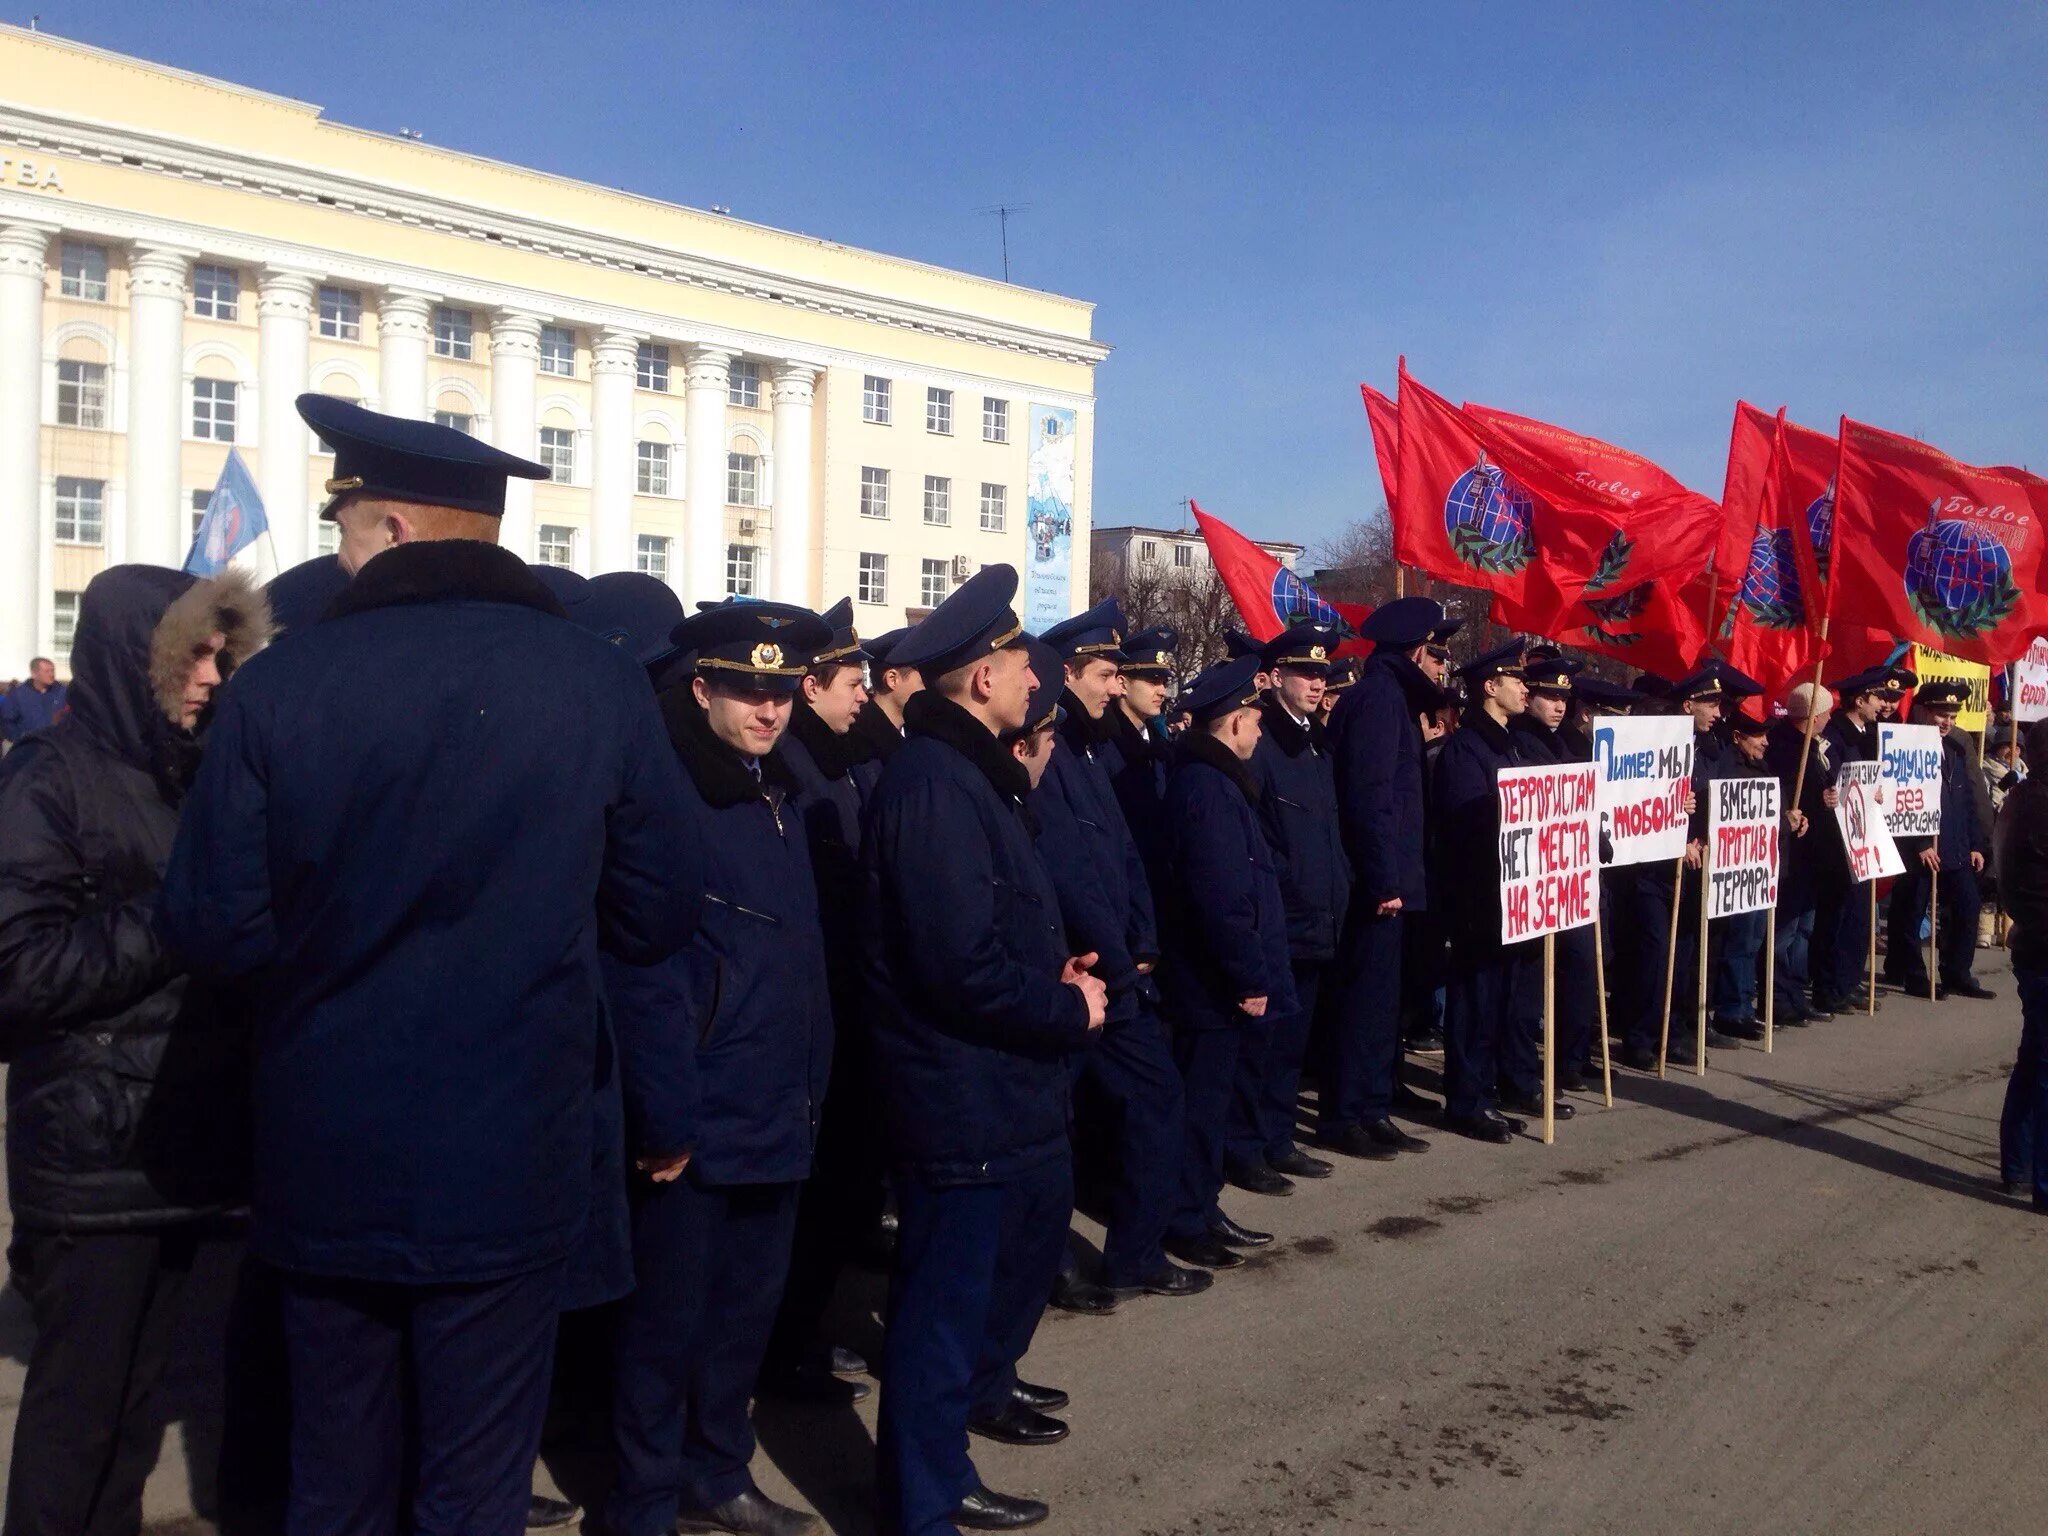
[
  {"x": 1049, "y": 521},
  {"x": 1742, "y": 846},
  {"x": 1549, "y": 851},
  {"x": 1872, "y": 853},
  {"x": 1909, "y": 769},
  {"x": 1645, "y": 767}
]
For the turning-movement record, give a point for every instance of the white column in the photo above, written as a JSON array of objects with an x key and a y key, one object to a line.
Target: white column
[
  {"x": 708, "y": 379},
  {"x": 515, "y": 364},
  {"x": 158, "y": 522},
  {"x": 23, "y": 248},
  {"x": 790, "y": 558},
  {"x": 405, "y": 327},
  {"x": 284, "y": 310},
  {"x": 613, "y": 357}
]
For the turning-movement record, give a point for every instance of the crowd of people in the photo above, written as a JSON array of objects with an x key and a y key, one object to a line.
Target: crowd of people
[{"x": 749, "y": 944}]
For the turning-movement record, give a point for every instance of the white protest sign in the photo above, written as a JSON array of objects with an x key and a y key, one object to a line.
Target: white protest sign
[
  {"x": 1742, "y": 846},
  {"x": 1549, "y": 850},
  {"x": 1645, "y": 765},
  {"x": 2030, "y": 684},
  {"x": 1909, "y": 768},
  {"x": 1872, "y": 853}
]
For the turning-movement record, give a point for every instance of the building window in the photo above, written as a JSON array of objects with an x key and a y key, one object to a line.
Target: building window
[
  {"x": 454, "y": 332},
  {"x": 558, "y": 350},
  {"x": 742, "y": 480},
  {"x": 874, "y": 400},
  {"x": 326, "y": 537},
  {"x": 938, "y": 411},
  {"x": 650, "y": 556},
  {"x": 557, "y": 545},
  {"x": 874, "y": 492},
  {"x": 461, "y": 421},
  {"x": 213, "y": 410},
  {"x": 63, "y": 622},
  {"x": 932, "y": 584},
  {"x": 216, "y": 292},
  {"x": 82, "y": 395},
  {"x": 995, "y": 420},
  {"x": 558, "y": 453},
  {"x": 650, "y": 367},
  {"x": 341, "y": 314},
  {"x": 874, "y": 579},
  {"x": 81, "y": 508},
  {"x": 82, "y": 270},
  {"x": 1183, "y": 555},
  {"x": 995, "y": 507},
  {"x": 741, "y": 562},
  {"x": 651, "y": 475},
  {"x": 938, "y": 501},
  {"x": 743, "y": 382},
  {"x": 201, "y": 500},
  {"x": 1148, "y": 552}
]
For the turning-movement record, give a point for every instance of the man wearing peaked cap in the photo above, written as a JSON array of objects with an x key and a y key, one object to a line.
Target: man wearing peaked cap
[
  {"x": 1839, "y": 954},
  {"x": 1136, "y": 752},
  {"x": 880, "y": 721},
  {"x": 636, "y": 612},
  {"x": 301, "y": 596},
  {"x": 425, "y": 1040},
  {"x": 1129, "y": 1087},
  {"x": 1738, "y": 941},
  {"x": 978, "y": 1007},
  {"x": 1957, "y": 852}
]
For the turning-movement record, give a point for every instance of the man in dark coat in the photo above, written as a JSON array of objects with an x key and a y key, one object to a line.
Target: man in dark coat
[
  {"x": 1812, "y": 841},
  {"x": 879, "y": 725},
  {"x": 1957, "y": 850},
  {"x": 410, "y": 856},
  {"x": 1136, "y": 753},
  {"x": 2021, "y": 865},
  {"x": 1841, "y": 911},
  {"x": 1738, "y": 941},
  {"x": 978, "y": 1006},
  {"x": 1376, "y": 746},
  {"x": 303, "y": 594},
  {"x": 33, "y": 704},
  {"x": 127, "y": 1099},
  {"x": 1298, "y": 813}
]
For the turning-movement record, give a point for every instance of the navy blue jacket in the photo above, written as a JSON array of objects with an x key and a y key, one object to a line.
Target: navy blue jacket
[
  {"x": 1136, "y": 760},
  {"x": 1467, "y": 810},
  {"x": 1537, "y": 745},
  {"x": 1376, "y": 744},
  {"x": 1298, "y": 812},
  {"x": 1226, "y": 929},
  {"x": 411, "y": 855},
  {"x": 23, "y": 710},
  {"x": 879, "y": 740},
  {"x": 830, "y": 795},
  {"x": 1802, "y": 854},
  {"x": 963, "y": 946}
]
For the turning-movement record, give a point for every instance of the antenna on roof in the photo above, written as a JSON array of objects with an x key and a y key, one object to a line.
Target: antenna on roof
[
  {"x": 1003, "y": 211},
  {"x": 411, "y": 133}
]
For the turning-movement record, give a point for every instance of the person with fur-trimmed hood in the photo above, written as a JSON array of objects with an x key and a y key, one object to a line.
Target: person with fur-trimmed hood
[{"x": 126, "y": 1092}]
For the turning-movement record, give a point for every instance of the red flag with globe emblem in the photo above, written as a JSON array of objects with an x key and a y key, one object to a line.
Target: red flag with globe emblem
[
  {"x": 1383, "y": 418},
  {"x": 1268, "y": 595},
  {"x": 1931, "y": 549},
  {"x": 1779, "y": 499}
]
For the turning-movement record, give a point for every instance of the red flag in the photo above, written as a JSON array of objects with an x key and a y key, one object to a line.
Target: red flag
[
  {"x": 1383, "y": 417},
  {"x": 1935, "y": 550},
  {"x": 1774, "y": 591},
  {"x": 1269, "y": 596}
]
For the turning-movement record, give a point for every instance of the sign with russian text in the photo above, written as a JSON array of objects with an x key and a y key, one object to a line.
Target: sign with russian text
[
  {"x": 1644, "y": 767},
  {"x": 2030, "y": 685},
  {"x": 1930, "y": 665},
  {"x": 1549, "y": 850},
  {"x": 1909, "y": 770},
  {"x": 1860, "y": 815},
  {"x": 1742, "y": 846}
]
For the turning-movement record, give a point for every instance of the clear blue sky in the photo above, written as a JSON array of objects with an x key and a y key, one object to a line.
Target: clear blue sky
[{"x": 1619, "y": 217}]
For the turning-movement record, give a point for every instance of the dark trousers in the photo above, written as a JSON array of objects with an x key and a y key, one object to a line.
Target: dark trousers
[
  {"x": 1905, "y": 957},
  {"x": 1841, "y": 938},
  {"x": 1573, "y": 1004},
  {"x": 1738, "y": 945},
  {"x": 1792, "y": 976},
  {"x": 477, "y": 1360},
  {"x": 1133, "y": 1085},
  {"x": 1365, "y": 1045},
  {"x": 2023, "y": 1127},
  {"x": 1208, "y": 1067},
  {"x": 1422, "y": 976},
  {"x": 1478, "y": 1004},
  {"x": 1264, "y": 1104},
  {"x": 89, "y": 1427},
  {"x": 974, "y": 1265},
  {"x": 1648, "y": 941},
  {"x": 708, "y": 1264}
]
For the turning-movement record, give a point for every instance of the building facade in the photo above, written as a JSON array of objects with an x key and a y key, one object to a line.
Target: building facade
[
  {"x": 730, "y": 407},
  {"x": 1166, "y": 551}
]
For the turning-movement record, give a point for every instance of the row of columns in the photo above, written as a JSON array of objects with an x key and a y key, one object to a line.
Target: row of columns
[{"x": 157, "y": 520}]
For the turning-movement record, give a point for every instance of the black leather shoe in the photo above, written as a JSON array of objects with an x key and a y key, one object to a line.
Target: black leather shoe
[
  {"x": 986, "y": 1510},
  {"x": 1968, "y": 987},
  {"x": 1388, "y": 1134},
  {"x": 1258, "y": 1179},
  {"x": 1168, "y": 1280},
  {"x": 2013, "y": 1188},
  {"x": 1820, "y": 1011},
  {"x": 1043, "y": 1399},
  {"x": 751, "y": 1513},
  {"x": 1205, "y": 1251},
  {"x": 1019, "y": 1425},
  {"x": 1532, "y": 1106},
  {"x": 1745, "y": 1028},
  {"x": 1639, "y": 1058},
  {"x": 1716, "y": 1041},
  {"x": 1572, "y": 1080},
  {"x": 545, "y": 1514},
  {"x": 1297, "y": 1164},
  {"x": 1480, "y": 1128},
  {"x": 1070, "y": 1293},
  {"x": 1412, "y": 1104},
  {"x": 1355, "y": 1141},
  {"x": 1515, "y": 1126},
  {"x": 812, "y": 1383},
  {"x": 1224, "y": 1230},
  {"x": 842, "y": 1361},
  {"x": 1430, "y": 1044}
]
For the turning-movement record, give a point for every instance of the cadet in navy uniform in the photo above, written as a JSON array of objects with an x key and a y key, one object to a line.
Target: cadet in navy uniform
[
  {"x": 711, "y": 1238},
  {"x": 1739, "y": 940},
  {"x": 880, "y": 721},
  {"x": 1376, "y": 749},
  {"x": 1225, "y": 967},
  {"x": 1957, "y": 850},
  {"x": 1137, "y": 751},
  {"x": 1298, "y": 812},
  {"x": 303, "y": 594},
  {"x": 978, "y": 1006},
  {"x": 1811, "y": 842},
  {"x": 1841, "y": 915},
  {"x": 410, "y": 856},
  {"x": 1479, "y": 1001},
  {"x": 1128, "y": 1078}
]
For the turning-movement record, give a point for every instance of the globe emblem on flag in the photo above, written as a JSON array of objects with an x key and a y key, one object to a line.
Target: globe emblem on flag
[
  {"x": 1295, "y": 601},
  {"x": 1820, "y": 527},
  {"x": 1959, "y": 577},
  {"x": 223, "y": 527},
  {"x": 1769, "y": 592},
  {"x": 1488, "y": 518}
]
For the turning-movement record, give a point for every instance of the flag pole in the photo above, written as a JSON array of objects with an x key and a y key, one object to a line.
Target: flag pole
[
  {"x": 1600, "y": 992},
  {"x": 1770, "y": 973},
  {"x": 1670, "y": 963},
  {"x": 1700, "y": 1058},
  {"x": 1799, "y": 779},
  {"x": 1870, "y": 982},
  {"x": 1400, "y": 579},
  {"x": 1933, "y": 922},
  {"x": 1549, "y": 1038}
]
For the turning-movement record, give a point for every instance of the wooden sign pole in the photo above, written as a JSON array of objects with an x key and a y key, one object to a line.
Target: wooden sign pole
[
  {"x": 1933, "y": 929},
  {"x": 1600, "y": 992},
  {"x": 1770, "y": 973},
  {"x": 1549, "y": 1038},
  {"x": 1699, "y": 1061},
  {"x": 1670, "y": 964},
  {"x": 1870, "y": 984}
]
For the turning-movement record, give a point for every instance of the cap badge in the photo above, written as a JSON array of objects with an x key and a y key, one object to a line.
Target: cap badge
[
  {"x": 767, "y": 654},
  {"x": 1318, "y": 653}
]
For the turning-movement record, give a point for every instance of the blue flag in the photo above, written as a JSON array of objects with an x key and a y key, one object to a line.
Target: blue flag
[{"x": 234, "y": 520}]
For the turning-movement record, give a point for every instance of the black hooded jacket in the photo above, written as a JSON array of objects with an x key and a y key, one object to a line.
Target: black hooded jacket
[{"x": 126, "y": 1097}]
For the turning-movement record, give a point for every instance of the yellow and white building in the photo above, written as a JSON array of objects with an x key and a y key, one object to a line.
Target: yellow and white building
[{"x": 729, "y": 406}]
